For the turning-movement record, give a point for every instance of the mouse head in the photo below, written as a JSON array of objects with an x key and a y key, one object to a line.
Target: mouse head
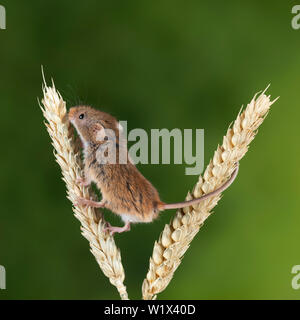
[{"x": 92, "y": 124}]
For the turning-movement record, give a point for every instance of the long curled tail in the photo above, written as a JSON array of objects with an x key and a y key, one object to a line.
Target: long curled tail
[{"x": 184, "y": 204}]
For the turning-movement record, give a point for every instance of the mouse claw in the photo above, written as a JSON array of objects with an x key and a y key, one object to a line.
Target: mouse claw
[
  {"x": 80, "y": 202},
  {"x": 107, "y": 227},
  {"x": 82, "y": 182}
]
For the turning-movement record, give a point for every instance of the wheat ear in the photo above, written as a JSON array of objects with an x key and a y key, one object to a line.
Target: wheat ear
[
  {"x": 178, "y": 234},
  {"x": 102, "y": 245}
]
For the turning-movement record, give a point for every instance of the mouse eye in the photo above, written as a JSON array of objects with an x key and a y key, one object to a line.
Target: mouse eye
[{"x": 81, "y": 116}]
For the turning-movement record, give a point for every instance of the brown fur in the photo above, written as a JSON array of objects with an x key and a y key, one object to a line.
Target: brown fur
[{"x": 124, "y": 189}]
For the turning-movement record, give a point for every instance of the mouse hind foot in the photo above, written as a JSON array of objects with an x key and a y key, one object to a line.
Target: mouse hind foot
[{"x": 114, "y": 230}]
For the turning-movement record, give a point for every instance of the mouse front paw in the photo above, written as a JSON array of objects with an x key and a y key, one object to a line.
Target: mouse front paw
[
  {"x": 83, "y": 182},
  {"x": 90, "y": 203}
]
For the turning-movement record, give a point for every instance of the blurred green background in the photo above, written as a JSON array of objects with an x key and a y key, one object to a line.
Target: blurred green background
[{"x": 157, "y": 64}]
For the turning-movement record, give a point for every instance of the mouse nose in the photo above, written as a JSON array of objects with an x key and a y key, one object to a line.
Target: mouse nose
[{"x": 71, "y": 113}]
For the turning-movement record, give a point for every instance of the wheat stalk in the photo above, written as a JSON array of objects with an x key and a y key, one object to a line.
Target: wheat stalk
[
  {"x": 102, "y": 245},
  {"x": 178, "y": 234}
]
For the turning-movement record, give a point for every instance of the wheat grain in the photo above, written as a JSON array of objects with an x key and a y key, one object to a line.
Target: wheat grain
[
  {"x": 178, "y": 234},
  {"x": 102, "y": 245}
]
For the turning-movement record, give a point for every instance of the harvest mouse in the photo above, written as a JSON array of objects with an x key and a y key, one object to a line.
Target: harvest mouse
[{"x": 125, "y": 191}]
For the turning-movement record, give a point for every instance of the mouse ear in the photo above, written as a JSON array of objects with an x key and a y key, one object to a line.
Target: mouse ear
[
  {"x": 98, "y": 131},
  {"x": 96, "y": 127}
]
